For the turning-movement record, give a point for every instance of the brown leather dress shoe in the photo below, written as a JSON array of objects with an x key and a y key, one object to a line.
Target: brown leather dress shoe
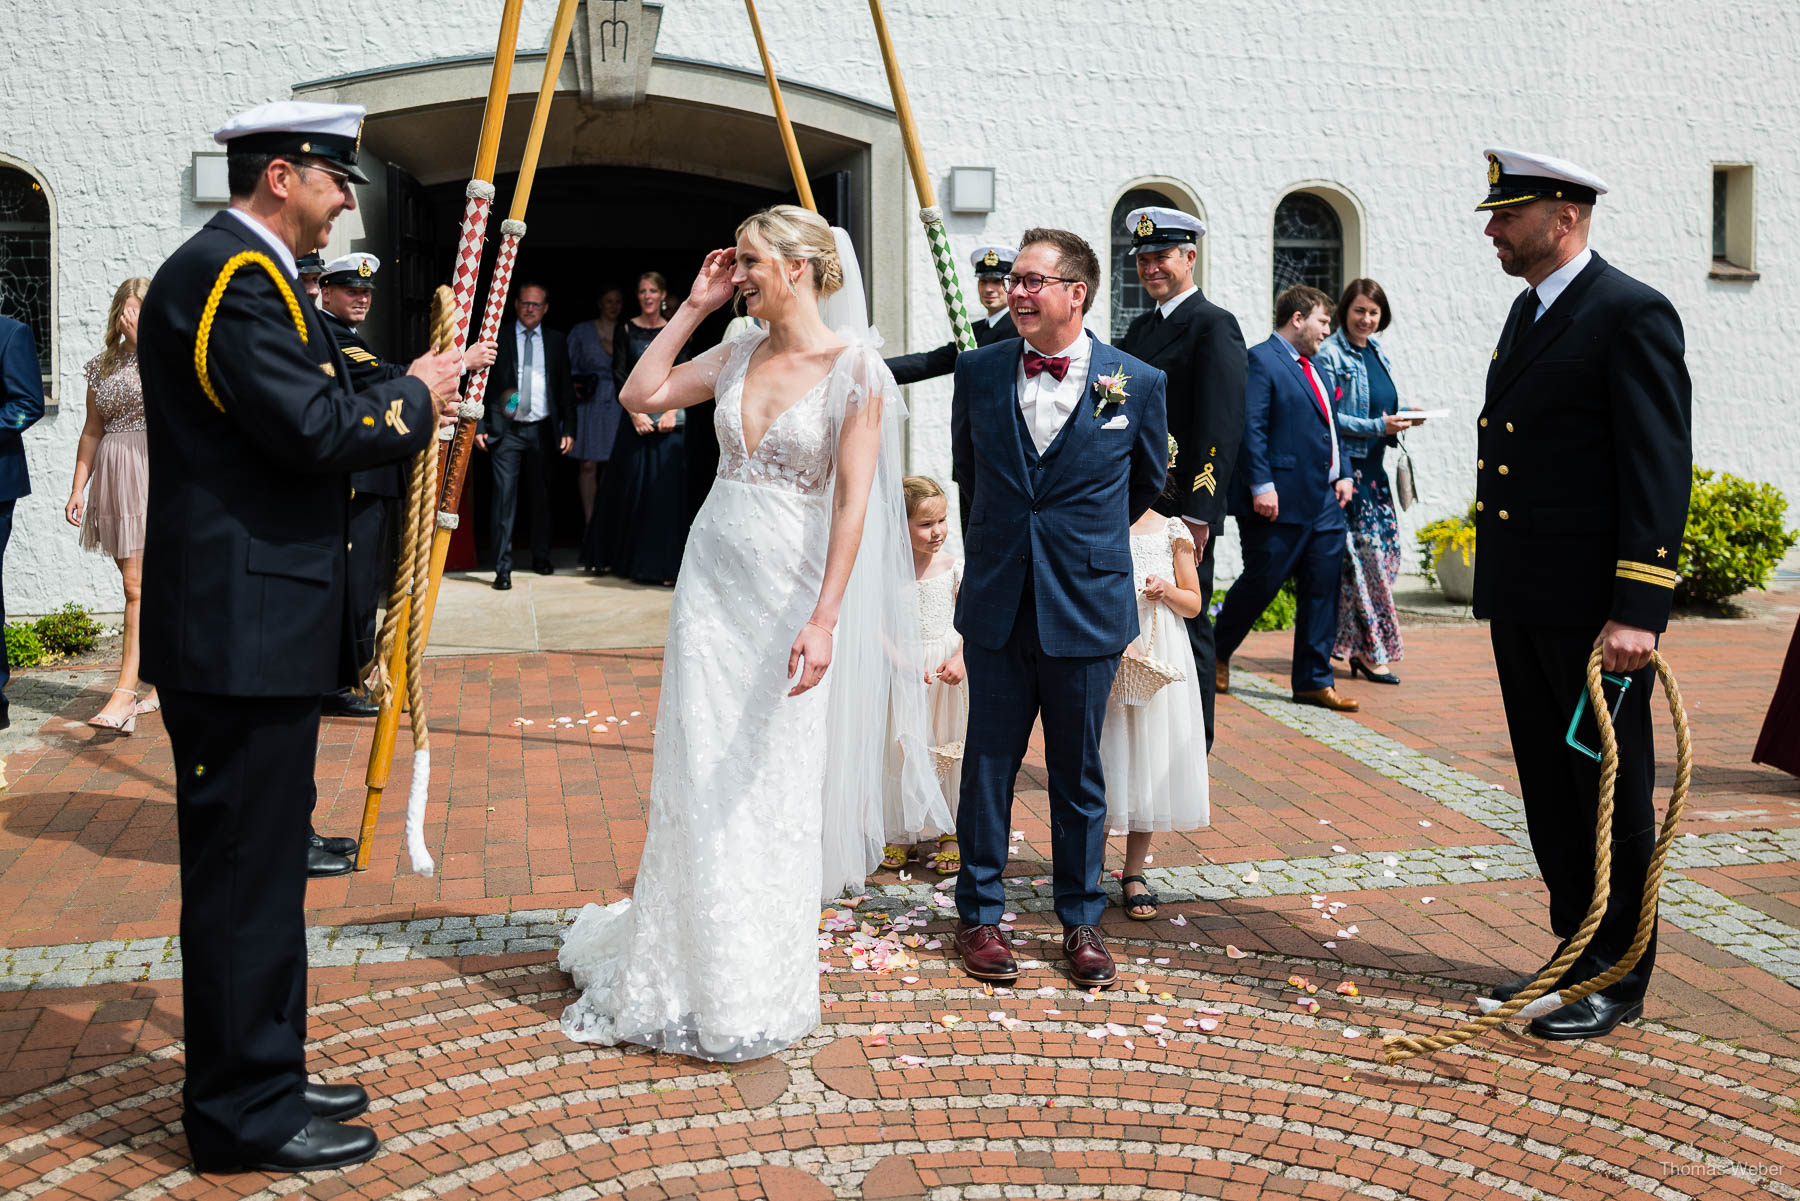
[
  {"x": 1090, "y": 963},
  {"x": 1222, "y": 675},
  {"x": 985, "y": 953},
  {"x": 1327, "y": 698}
]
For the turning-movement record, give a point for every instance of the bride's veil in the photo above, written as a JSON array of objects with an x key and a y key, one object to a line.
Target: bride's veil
[{"x": 880, "y": 780}]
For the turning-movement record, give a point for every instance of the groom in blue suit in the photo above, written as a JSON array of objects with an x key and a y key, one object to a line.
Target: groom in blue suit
[
  {"x": 1288, "y": 494},
  {"x": 1064, "y": 441}
]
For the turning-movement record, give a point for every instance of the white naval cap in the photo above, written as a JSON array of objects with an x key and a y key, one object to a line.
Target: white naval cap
[
  {"x": 355, "y": 270},
  {"x": 332, "y": 132},
  {"x": 1520, "y": 176},
  {"x": 1157, "y": 228},
  {"x": 991, "y": 262}
]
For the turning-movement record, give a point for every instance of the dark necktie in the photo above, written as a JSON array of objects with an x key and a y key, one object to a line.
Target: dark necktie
[
  {"x": 1057, "y": 366},
  {"x": 1531, "y": 304}
]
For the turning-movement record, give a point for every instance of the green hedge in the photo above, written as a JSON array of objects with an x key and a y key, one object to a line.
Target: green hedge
[
  {"x": 23, "y": 646},
  {"x": 1735, "y": 537},
  {"x": 71, "y": 630}
]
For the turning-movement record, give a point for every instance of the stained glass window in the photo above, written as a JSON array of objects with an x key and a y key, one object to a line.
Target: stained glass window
[
  {"x": 1309, "y": 245},
  {"x": 1128, "y": 296},
  {"x": 25, "y": 256}
]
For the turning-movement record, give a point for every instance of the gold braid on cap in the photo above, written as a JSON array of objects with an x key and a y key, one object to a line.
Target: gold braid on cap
[{"x": 204, "y": 337}]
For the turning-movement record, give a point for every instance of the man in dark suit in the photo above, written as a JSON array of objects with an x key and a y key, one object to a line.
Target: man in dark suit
[
  {"x": 1581, "y": 496},
  {"x": 1288, "y": 494},
  {"x": 21, "y": 404},
  {"x": 531, "y": 403},
  {"x": 991, "y": 264},
  {"x": 252, "y": 429},
  {"x": 1073, "y": 448},
  {"x": 1199, "y": 346}
]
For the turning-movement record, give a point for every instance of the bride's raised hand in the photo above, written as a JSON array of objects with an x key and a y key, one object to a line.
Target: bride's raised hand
[
  {"x": 713, "y": 286},
  {"x": 812, "y": 647}
]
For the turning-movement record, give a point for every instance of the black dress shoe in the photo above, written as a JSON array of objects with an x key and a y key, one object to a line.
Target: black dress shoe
[
  {"x": 348, "y": 702},
  {"x": 1507, "y": 990},
  {"x": 321, "y": 1144},
  {"x": 543, "y": 568},
  {"x": 5, "y": 720},
  {"x": 502, "y": 581},
  {"x": 1359, "y": 668},
  {"x": 1589, "y": 1017},
  {"x": 321, "y": 862},
  {"x": 336, "y": 846},
  {"x": 335, "y": 1101}
]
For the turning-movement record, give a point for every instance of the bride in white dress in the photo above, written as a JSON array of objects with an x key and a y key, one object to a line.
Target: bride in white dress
[{"x": 787, "y": 669}]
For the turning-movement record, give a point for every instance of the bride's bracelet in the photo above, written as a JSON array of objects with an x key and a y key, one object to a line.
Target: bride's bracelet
[{"x": 832, "y": 634}]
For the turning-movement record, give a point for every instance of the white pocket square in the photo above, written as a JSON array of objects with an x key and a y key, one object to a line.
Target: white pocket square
[{"x": 1117, "y": 423}]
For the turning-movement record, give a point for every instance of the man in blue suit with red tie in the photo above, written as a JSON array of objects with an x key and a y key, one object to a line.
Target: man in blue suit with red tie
[
  {"x": 21, "y": 404},
  {"x": 1288, "y": 494},
  {"x": 1064, "y": 441}
]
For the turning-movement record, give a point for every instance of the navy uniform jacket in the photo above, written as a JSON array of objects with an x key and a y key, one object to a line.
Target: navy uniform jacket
[
  {"x": 1068, "y": 516},
  {"x": 1585, "y": 458},
  {"x": 21, "y": 404},
  {"x": 246, "y": 545},
  {"x": 366, "y": 370},
  {"x": 1201, "y": 349},
  {"x": 941, "y": 360},
  {"x": 1287, "y": 437}
]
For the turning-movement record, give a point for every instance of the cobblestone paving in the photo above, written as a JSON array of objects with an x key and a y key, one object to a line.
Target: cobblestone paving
[{"x": 1382, "y": 852}]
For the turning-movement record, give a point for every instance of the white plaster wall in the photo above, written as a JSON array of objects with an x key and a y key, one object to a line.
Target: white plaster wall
[{"x": 1069, "y": 101}]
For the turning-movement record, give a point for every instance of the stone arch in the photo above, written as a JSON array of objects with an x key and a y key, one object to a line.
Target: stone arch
[
  {"x": 28, "y": 249},
  {"x": 1344, "y": 209}
]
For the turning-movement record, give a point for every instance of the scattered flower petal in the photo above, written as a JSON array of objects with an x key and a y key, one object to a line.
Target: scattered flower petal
[
  {"x": 1329, "y": 946},
  {"x": 1479, "y": 865},
  {"x": 1392, "y": 860},
  {"x": 1426, "y": 900},
  {"x": 996, "y": 1016},
  {"x": 1339, "y": 850},
  {"x": 1347, "y": 989},
  {"x": 911, "y": 1061},
  {"x": 909, "y": 979},
  {"x": 1424, "y": 825},
  {"x": 1352, "y": 1032},
  {"x": 1234, "y": 953},
  {"x": 948, "y": 1020},
  {"x": 1308, "y": 1004},
  {"x": 1252, "y": 876},
  {"x": 1178, "y": 920},
  {"x": 1208, "y": 1024}
]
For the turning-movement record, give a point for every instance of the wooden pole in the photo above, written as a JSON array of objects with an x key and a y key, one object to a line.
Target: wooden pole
[
  {"x": 949, "y": 285},
  {"x": 788, "y": 141},
  {"x": 487, "y": 149}
]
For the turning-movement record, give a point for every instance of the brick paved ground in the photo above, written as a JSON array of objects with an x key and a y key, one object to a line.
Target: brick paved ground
[{"x": 1212, "y": 1078}]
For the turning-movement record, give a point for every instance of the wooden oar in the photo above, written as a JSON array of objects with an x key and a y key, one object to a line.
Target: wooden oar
[{"x": 788, "y": 142}]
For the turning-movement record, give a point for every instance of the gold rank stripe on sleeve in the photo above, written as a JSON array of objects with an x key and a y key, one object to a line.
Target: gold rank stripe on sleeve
[
  {"x": 204, "y": 336},
  {"x": 1206, "y": 480},
  {"x": 1647, "y": 573},
  {"x": 359, "y": 354}
]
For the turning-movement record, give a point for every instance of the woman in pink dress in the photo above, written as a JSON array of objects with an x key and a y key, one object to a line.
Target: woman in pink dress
[{"x": 112, "y": 466}]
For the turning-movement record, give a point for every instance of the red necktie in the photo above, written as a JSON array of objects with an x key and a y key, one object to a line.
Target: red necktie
[
  {"x": 1318, "y": 392},
  {"x": 1035, "y": 362}
]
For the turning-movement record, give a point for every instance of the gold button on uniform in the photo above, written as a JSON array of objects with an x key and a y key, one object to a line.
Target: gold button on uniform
[
  {"x": 1509, "y": 427},
  {"x": 349, "y": 546},
  {"x": 1480, "y": 507},
  {"x": 1479, "y": 464},
  {"x": 1502, "y": 514},
  {"x": 1503, "y": 469}
]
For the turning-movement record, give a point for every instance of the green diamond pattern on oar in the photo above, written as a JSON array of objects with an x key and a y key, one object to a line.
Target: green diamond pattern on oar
[{"x": 948, "y": 283}]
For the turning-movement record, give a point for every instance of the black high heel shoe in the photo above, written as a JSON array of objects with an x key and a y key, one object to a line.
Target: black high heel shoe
[{"x": 1359, "y": 668}]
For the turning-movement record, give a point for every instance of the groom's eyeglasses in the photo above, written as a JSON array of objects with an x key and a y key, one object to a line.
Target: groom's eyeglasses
[{"x": 1034, "y": 283}]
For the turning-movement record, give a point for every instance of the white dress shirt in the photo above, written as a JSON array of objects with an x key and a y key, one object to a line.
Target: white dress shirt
[
  {"x": 1558, "y": 281},
  {"x": 1174, "y": 302},
  {"x": 283, "y": 255},
  {"x": 1045, "y": 401},
  {"x": 540, "y": 403}
]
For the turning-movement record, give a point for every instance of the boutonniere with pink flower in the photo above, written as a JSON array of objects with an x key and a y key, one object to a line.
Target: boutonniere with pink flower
[{"x": 1111, "y": 391}]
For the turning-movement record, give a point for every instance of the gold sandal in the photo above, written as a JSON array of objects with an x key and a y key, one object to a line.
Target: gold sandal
[
  {"x": 949, "y": 862},
  {"x": 893, "y": 858}
]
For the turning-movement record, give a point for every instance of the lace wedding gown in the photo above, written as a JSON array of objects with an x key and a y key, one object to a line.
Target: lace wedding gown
[{"x": 716, "y": 955}]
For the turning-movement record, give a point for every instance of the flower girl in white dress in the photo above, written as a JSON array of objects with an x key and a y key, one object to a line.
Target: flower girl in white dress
[{"x": 1154, "y": 754}]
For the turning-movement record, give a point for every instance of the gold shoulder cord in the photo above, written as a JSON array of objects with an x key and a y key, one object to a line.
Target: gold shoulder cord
[{"x": 211, "y": 310}]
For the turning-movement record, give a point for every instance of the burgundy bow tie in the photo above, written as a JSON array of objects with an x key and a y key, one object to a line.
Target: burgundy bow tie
[{"x": 1035, "y": 362}]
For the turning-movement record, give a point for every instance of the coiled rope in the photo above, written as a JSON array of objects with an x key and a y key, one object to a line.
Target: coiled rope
[{"x": 1400, "y": 1048}]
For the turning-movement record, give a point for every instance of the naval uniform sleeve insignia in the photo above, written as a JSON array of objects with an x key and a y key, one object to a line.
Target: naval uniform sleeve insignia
[
  {"x": 367, "y": 420},
  {"x": 204, "y": 336},
  {"x": 328, "y": 369},
  {"x": 359, "y": 354},
  {"x": 1647, "y": 573},
  {"x": 393, "y": 417},
  {"x": 1206, "y": 480}
]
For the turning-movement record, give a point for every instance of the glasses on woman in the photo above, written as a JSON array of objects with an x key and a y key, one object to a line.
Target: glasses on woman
[{"x": 1033, "y": 282}]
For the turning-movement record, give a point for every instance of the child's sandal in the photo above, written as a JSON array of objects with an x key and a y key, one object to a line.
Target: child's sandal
[
  {"x": 893, "y": 858},
  {"x": 947, "y": 862},
  {"x": 1143, "y": 900}
]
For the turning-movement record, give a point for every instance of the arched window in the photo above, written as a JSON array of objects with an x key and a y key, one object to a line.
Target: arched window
[
  {"x": 25, "y": 256},
  {"x": 1309, "y": 244},
  {"x": 1128, "y": 295}
]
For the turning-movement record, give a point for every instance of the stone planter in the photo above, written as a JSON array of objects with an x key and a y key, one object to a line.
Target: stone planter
[{"x": 1455, "y": 577}]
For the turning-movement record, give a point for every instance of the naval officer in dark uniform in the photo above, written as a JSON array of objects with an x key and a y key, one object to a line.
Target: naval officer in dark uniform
[
  {"x": 1200, "y": 347},
  {"x": 1585, "y": 461},
  {"x": 991, "y": 265},
  {"x": 253, "y": 427}
]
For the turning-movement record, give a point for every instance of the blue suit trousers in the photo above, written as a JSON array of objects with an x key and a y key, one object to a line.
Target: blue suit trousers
[
  {"x": 1314, "y": 555},
  {"x": 1010, "y": 687}
]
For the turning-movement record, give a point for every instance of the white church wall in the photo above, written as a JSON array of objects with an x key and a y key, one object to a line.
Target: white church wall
[{"x": 1070, "y": 102}]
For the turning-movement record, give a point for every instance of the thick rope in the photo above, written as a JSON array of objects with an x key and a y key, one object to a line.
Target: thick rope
[{"x": 1400, "y": 1048}]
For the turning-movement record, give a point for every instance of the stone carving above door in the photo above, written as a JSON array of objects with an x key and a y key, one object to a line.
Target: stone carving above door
[{"x": 614, "y": 43}]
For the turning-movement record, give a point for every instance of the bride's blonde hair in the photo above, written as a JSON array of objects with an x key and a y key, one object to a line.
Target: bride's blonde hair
[{"x": 797, "y": 235}]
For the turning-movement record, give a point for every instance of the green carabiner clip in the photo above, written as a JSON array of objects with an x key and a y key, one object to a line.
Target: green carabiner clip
[{"x": 1623, "y": 683}]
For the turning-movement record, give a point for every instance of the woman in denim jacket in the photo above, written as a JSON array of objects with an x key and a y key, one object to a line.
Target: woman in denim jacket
[{"x": 1368, "y": 632}]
